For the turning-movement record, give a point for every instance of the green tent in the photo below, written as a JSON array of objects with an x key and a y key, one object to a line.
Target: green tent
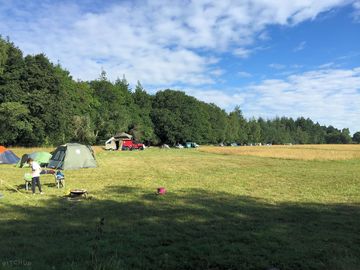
[
  {"x": 40, "y": 157},
  {"x": 72, "y": 156}
]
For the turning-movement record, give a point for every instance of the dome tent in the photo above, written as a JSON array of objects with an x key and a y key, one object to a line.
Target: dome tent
[
  {"x": 40, "y": 157},
  {"x": 72, "y": 156},
  {"x": 7, "y": 156}
]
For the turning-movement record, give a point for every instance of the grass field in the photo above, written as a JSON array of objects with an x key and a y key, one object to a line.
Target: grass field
[
  {"x": 295, "y": 207},
  {"x": 301, "y": 152}
]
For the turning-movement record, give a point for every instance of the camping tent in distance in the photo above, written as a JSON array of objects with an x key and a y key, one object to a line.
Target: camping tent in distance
[
  {"x": 40, "y": 157},
  {"x": 115, "y": 143},
  {"x": 7, "y": 156},
  {"x": 72, "y": 156}
]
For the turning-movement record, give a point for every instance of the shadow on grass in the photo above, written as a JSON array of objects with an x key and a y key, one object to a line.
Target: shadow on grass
[{"x": 190, "y": 229}]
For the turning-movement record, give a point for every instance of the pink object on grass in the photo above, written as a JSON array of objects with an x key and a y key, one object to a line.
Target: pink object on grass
[{"x": 161, "y": 190}]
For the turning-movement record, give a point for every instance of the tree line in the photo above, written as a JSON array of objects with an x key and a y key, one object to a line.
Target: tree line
[{"x": 41, "y": 104}]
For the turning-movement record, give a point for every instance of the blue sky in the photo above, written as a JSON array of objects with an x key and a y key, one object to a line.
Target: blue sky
[{"x": 270, "y": 57}]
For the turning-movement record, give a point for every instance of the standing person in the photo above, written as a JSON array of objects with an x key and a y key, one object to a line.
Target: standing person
[{"x": 36, "y": 169}]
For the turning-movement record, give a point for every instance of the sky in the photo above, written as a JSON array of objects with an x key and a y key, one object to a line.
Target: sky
[{"x": 270, "y": 57}]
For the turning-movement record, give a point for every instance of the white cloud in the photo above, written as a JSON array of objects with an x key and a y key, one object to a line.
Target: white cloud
[
  {"x": 330, "y": 96},
  {"x": 242, "y": 52},
  {"x": 300, "y": 46},
  {"x": 156, "y": 42},
  {"x": 223, "y": 100},
  {"x": 264, "y": 36},
  {"x": 277, "y": 66},
  {"x": 327, "y": 96},
  {"x": 217, "y": 72},
  {"x": 356, "y": 13},
  {"x": 244, "y": 74},
  {"x": 327, "y": 65},
  {"x": 164, "y": 43}
]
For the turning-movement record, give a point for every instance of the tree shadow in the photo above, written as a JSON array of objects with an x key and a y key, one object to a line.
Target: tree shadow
[{"x": 187, "y": 229}]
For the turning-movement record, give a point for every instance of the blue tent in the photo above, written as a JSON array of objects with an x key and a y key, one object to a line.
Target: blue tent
[{"x": 7, "y": 156}]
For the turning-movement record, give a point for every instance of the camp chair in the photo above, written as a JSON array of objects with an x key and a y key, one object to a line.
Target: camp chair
[
  {"x": 28, "y": 179},
  {"x": 59, "y": 179}
]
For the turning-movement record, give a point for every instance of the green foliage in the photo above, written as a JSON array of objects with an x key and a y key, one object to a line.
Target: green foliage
[
  {"x": 11, "y": 75},
  {"x": 356, "y": 137},
  {"x": 54, "y": 109},
  {"x": 237, "y": 127},
  {"x": 3, "y": 54},
  {"x": 337, "y": 136},
  {"x": 217, "y": 119},
  {"x": 254, "y": 131},
  {"x": 83, "y": 131},
  {"x": 179, "y": 118},
  {"x": 14, "y": 122},
  {"x": 113, "y": 113},
  {"x": 142, "y": 127}
]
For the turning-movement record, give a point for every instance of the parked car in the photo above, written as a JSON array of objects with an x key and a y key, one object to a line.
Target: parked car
[
  {"x": 191, "y": 145},
  {"x": 194, "y": 145},
  {"x": 131, "y": 145},
  {"x": 179, "y": 146}
]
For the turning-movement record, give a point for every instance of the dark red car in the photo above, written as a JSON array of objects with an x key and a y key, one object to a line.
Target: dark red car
[{"x": 131, "y": 145}]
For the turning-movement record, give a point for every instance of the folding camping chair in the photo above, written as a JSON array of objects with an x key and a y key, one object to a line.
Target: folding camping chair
[
  {"x": 28, "y": 179},
  {"x": 59, "y": 179}
]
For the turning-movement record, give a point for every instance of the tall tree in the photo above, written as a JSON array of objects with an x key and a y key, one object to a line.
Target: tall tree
[
  {"x": 142, "y": 126},
  {"x": 356, "y": 137},
  {"x": 254, "y": 131},
  {"x": 113, "y": 113},
  {"x": 178, "y": 117},
  {"x": 14, "y": 122},
  {"x": 237, "y": 127}
]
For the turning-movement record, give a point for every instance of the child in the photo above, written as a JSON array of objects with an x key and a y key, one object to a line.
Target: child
[{"x": 36, "y": 169}]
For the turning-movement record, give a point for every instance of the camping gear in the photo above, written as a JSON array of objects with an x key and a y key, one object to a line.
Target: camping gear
[
  {"x": 115, "y": 142},
  {"x": 7, "y": 156},
  {"x": 40, "y": 157},
  {"x": 28, "y": 179},
  {"x": 165, "y": 146},
  {"x": 161, "y": 191},
  {"x": 72, "y": 156},
  {"x": 123, "y": 135},
  {"x": 59, "y": 179},
  {"x": 47, "y": 172},
  {"x": 78, "y": 193},
  {"x": 112, "y": 144}
]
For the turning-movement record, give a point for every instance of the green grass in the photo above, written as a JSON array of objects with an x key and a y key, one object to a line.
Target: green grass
[{"x": 220, "y": 212}]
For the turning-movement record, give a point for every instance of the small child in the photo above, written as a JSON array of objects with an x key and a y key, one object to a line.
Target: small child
[{"x": 36, "y": 170}]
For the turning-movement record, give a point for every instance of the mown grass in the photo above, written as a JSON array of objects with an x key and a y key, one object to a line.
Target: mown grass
[
  {"x": 220, "y": 212},
  {"x": 302, "y": 152}
]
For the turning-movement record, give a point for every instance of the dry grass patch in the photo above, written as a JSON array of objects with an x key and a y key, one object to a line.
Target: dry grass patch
[{"x": 300, "y": 152}]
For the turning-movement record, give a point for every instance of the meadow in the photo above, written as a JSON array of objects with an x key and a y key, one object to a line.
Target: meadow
[{"x": 288, "y": 207}]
